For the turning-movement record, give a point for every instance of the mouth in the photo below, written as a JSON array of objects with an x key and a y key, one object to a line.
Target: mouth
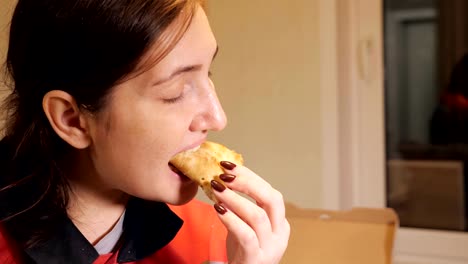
[
  {"x": 178, "y": 172},
  {"x": 192, "y": 148}
]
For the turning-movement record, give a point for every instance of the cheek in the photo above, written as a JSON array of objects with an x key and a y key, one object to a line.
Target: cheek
[
  {"x": 140, "y": 137},
  {"x": 140, "y": 144},
  {"x": 129, "y": 160}
]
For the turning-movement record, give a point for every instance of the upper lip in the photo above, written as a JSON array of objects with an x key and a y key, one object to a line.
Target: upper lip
[{"x": 193, "y": 145}]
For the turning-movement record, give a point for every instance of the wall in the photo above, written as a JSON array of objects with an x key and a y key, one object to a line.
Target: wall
[
  {"x": 5, "y": 15},
  {"x": 267, "y": 78},
  {"x": 6, "y": 7}
]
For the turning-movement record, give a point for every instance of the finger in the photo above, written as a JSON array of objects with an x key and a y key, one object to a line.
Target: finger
[
  {"x": 244, "y": 234},
  {"x": 255, "y": 217},
  {"x": 268, "y": 198}
]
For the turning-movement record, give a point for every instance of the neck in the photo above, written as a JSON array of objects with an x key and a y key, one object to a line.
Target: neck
[
  {"x": 93, "y": 207},
  {"x": 95, "y": 213}
]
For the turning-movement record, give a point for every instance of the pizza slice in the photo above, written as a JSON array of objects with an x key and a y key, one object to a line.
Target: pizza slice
[{"x": 202, "y": 164}]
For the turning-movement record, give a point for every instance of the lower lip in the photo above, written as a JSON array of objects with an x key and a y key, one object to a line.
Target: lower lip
[
  {"x": 180, "y": 176},
  {"x": 183, "y": 178}
]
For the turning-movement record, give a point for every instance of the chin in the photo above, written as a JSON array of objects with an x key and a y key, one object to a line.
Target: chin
[
  {"x": 177, "y": 196},
  {"x": 184, "y": 197}
]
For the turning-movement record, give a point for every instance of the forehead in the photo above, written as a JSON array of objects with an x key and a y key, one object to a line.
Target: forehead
[
  {"x": 196, "y": 44},
  {"x": 196, "y": 47}
]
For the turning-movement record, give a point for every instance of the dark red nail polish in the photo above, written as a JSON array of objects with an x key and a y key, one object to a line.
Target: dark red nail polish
[
  {"x": 228, "y": 165},
  {"x": 218, "y": 186},
  {"x": 220, "y": 209},
  {"x": 227, "y": 177}
]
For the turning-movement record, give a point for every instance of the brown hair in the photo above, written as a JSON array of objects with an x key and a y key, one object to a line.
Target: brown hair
[{"x": 84, "y": 48}]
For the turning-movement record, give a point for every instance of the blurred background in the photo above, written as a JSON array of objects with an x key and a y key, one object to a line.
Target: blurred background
[
  {"x": 349, "y": 103},
  {"x": 267, "y": 78}
]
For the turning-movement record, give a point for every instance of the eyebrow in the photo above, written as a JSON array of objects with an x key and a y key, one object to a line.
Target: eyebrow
[{"x": 185, "y": 69}]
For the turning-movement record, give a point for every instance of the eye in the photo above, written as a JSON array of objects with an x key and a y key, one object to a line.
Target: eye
[
  {"x": 174, "y": 99},
  {"x": 176, "y": 92}
]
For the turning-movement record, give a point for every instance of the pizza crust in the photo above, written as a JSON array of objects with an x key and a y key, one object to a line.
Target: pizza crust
[{"x": 202, "y": 164}]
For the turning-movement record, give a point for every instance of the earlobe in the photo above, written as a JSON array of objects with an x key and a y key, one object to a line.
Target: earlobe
[{"x": 66, "y": 119}]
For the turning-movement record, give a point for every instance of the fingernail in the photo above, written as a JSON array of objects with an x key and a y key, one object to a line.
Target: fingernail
[
  {"x": 227, "y": 177},
  {"x": 217, "y": 186},
  {"x": 220, "y": 209},
  {"x": 228, "y": 165}
]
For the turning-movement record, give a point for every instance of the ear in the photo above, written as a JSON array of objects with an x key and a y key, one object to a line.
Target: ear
[{"x": 66, "y": 118}]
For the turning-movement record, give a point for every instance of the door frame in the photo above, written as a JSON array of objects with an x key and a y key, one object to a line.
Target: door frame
[
  {"x": 351, "y": 83},
  {"x": 353, "y": 134}
]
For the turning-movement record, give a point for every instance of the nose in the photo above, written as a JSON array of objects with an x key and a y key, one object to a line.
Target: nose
[{"x": 211, "y": 115}]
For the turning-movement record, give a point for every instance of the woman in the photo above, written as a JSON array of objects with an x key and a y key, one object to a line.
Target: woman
[{"x": 105, "y": 92}]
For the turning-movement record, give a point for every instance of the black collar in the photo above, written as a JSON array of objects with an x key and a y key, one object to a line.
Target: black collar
[{"x": 148, "y": 226}]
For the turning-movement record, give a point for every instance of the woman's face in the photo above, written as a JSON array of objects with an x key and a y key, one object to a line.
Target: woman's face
[{"x": 156, "y": 115}]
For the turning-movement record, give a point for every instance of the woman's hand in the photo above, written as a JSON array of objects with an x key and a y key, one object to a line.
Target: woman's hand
[{"x": 258, "y": 233}]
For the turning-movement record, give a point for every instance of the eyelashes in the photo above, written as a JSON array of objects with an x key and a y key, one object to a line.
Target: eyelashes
[
  {"x": 174, "y": 99},
  {"x": 178, "y": 98}
]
